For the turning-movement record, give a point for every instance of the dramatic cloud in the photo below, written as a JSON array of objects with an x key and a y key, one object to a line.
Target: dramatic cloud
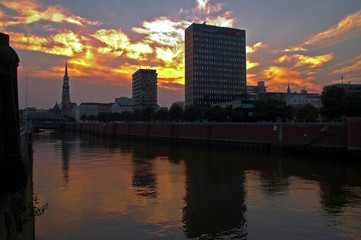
[
  {"x": 278, "y": 78},
  {"x": 117, "y": 42},
  {"x": 254, "y": 47},
  {"x": 291, "y": 49},
  {"x": 105, "y": 54},
  {"x": 302, "y": 60},
  {"x": 347, "y": 28},
  {"x": 111, "y": 54},
  {"x": 64, "y": 44},
  {"x": 30, "y": 11},
  {"x": 204, "y": 6},
  {"x": 349, "y": 69}
]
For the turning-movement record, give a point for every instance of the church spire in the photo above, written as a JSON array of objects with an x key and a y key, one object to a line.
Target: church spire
[
  {"x": 66, "y": 69},
  {"x": 65, "y": 100},
  {"x": 288, "y": 88}
]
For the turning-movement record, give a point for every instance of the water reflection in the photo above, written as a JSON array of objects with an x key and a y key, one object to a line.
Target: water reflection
[
  {"x": 274, "y": 181},
  {"x": 215, "y": 196},
  {"x": 162, "y": 191},
  {"x": 65, "y": 154},
  {"x": 144, "y": 179}
]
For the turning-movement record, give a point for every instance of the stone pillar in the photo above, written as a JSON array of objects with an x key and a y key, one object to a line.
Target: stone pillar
[{"x": 12, "y": 171}]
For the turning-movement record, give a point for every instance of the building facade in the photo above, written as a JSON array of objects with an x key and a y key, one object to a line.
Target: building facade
[
  {"x": 296, "y": 100},
  {"x": 88, "y": 109},
  {"x": 144, "y": 88},
  {"x": 122, "y": 104},
  {"x": 299, "y": 100},
  {"x": 253, "y": 92},
  {"x": 215, "y": 65}
]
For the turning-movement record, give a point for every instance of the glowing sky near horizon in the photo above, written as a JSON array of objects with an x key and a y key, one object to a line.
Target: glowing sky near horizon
[{"x": 309, "y": 44}]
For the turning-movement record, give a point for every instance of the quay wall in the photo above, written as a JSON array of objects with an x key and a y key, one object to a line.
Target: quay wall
[{"x": 341, "y": 136}]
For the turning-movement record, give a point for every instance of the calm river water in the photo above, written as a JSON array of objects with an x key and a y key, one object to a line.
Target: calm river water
[{"x": 99, "y": 188}]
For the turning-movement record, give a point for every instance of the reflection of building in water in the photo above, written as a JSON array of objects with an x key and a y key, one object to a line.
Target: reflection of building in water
[
  {"x": 215, "y": 198},
  {"x": 274, "y": 181},
  {"x": 66, "y": 146},
  {"x": 65, "y": 153},
  {"x": 144, "y": 179}
]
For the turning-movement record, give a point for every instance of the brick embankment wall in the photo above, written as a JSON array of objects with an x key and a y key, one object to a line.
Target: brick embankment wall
[{"x": 336, "y": 136}]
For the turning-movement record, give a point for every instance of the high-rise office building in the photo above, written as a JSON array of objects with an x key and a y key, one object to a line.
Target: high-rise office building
[
  {"x": 144, "y": 88},
  {"x": 215, "y": 65}
]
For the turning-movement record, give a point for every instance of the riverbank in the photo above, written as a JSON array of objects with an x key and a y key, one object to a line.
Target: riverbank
[
  {"x": 314, "y": 137},
  {"x": 16, "y": 207}
]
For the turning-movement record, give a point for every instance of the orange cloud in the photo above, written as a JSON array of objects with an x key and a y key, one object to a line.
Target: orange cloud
[
  {"x": 253, "y": 48},
  {"x": 163, "y": 31},
  {"x": 204, "y": 6},
  {"x": 251, "y": 64},
  {"x": 30, "y": 11},
  {"x": 252, "y": 79},
  {"x": 295, "y": 49},
  {"x": 347, "y": 28},
  {"x": 117, "y": 42},
  {"x": 278, "y": 78},
  {"x": 64, "y": 44},
  {"x": 349, "y": 67},
  {"x": 224, "y": 20},
  {"x": 302, "y": 60},
  {"x": 291, "y": 49},
  {"x": 98, "y": 55}
]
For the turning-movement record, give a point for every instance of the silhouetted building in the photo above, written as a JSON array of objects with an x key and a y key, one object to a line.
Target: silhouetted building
[
  {"x": 296, "y": 100},
  {"x": 89, "y": 109},
  {"x": 215, "y": 65},
  {"x": 144, "y": 88},
  {"x": 122, "y": 104},
  {"x": 253, "y": 92},
  {"x": 65, "y": 96},
  {"x": 299, "y": 100},
  {"x": 65, "y": 108},
  {"x": 180, "y": 103},
  {"x": 348, "y": 87}
]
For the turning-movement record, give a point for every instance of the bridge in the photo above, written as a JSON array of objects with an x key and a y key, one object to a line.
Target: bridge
[{"x": 45, "y": 120}]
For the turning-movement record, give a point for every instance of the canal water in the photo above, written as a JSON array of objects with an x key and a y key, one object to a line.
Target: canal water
[{"x": 102, "y": 188}]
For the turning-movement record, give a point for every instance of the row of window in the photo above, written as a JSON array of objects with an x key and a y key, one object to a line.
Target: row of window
[
  {"x": 231, "y": 79},
  {"x": 218, "y": 86},
  {"x": 217, "y": 41},
  {"x": 214, "y": 51},
  {"x": 213, "y": 97},
  {"x": 220, "y": 63},
  {"x": 217, "y": 35},
  {"x": 214, "y": 68},
  {"x": 201, "y": 91},
  {"x": 219, "y": 48},
  {"x": 217, "y": 57}
]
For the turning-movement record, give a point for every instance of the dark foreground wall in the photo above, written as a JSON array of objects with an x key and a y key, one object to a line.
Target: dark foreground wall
[{"x": 337, "y": 136}]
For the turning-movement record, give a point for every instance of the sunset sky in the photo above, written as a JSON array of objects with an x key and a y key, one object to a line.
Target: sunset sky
[{"x": 310, "y": 43}]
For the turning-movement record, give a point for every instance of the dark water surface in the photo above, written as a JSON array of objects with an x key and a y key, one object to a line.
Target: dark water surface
[{"x": 99, "y": 188}]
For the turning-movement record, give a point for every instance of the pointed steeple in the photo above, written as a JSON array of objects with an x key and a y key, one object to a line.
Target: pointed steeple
[
  {"x": 65, "y": 98},
  {"x": 66, "y": 69},
  {"x": 288, "y": 88}
]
